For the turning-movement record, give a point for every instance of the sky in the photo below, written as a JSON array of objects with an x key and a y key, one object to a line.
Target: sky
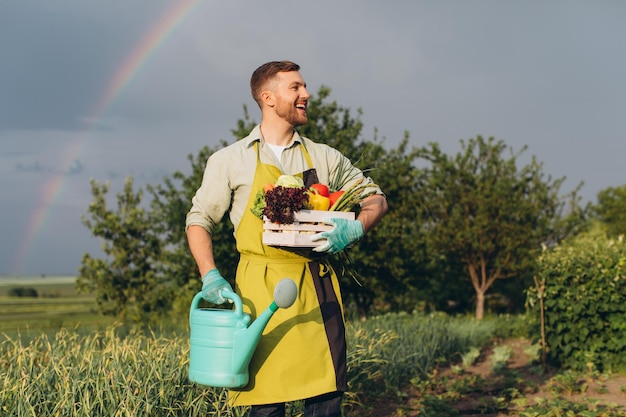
[{"x": 107, "y": 90}]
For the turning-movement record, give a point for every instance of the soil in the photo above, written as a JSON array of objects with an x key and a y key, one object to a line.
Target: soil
[{"x": 481, "y": 387}]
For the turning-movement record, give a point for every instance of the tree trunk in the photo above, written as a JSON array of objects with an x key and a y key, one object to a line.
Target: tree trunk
[{"x": 480, "y": 304}]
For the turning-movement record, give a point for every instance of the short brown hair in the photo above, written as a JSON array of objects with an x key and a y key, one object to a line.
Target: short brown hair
[{"x": 266, "y": 72}]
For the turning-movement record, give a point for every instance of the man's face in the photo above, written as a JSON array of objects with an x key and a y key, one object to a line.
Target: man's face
[{"x": 291, "y": 97}]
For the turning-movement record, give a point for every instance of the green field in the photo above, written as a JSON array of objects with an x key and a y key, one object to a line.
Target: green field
[
  {"x": 46, "y": 286},
  {"x": 58, "y": 356},
  {"x": 57, "y": 305}
]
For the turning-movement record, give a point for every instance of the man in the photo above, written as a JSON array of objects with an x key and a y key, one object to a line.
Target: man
[{"x": 302, "y": 353}]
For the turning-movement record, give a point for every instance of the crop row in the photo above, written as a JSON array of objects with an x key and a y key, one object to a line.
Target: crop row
[{"x": 116, "y": 372}]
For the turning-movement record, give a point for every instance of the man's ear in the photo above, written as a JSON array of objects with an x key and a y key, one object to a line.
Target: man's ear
[{"x": 267, "y": 97}]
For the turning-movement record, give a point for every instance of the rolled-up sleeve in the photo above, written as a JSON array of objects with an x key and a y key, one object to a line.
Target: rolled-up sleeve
[{"x": 213, "y": 198}]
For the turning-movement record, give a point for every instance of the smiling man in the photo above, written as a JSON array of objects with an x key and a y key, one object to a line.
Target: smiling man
[{"x": 302, "y": 353}]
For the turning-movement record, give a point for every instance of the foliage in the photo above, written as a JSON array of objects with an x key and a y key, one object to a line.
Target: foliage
[
  {"x": 416, "y": 343},
  {"x": 504, "y": 391},
  {"x": 129, "y": 372},
  {"x": 500, "y": 357},
  {"x": 563, "y": 407},
  {"x": 23, "y": 292},
  {"x": 485, "y": 215},
  {"x": 417, "y": 259},
  {"x": 392, "y": 258},
  {"x": 126, "y": 283},
  {"x": 611, "y": 210},
  {"x": 585, "y": 302},
  {"x": 102, "y": 374}
]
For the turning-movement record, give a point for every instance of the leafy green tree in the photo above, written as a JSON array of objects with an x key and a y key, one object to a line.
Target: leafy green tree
[
  {"x": 475, "y": 216},
  {"x": 611, "y": 210},
  {"x": 480, "y": 211},
  {"x": 126, "y": 282}
]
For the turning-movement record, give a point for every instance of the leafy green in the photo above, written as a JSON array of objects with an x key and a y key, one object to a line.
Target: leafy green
[{"x": 259, "y": 204}]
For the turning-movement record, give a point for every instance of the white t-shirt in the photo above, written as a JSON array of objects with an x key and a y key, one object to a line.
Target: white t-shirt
[{"x": 277, "y": 149}]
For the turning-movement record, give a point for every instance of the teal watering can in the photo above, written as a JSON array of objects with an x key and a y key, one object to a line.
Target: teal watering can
[{"x": 222, "y": 342}]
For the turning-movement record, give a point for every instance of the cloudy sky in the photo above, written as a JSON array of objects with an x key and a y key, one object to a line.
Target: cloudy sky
[{"x": 110, "y": 89}]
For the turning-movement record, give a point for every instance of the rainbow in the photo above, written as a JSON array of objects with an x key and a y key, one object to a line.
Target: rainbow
[{"x": 131, "y": 66}]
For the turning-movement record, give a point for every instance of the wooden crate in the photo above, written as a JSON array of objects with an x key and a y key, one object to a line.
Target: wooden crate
[{"x": 306, "y": 224}]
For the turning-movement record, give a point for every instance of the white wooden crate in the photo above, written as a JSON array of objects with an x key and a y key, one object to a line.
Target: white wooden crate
[{"x": 306, "y": 224}]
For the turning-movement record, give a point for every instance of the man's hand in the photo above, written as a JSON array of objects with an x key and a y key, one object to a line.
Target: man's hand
[
  {"x": 343, "y": 234},
  {"x": 212, "y": 285}
]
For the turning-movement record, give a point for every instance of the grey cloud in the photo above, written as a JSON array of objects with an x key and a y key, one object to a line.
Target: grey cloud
[
  {"x": 544, "y": 74},
  {"x": 57, "y": 59},
  {"x": 13, "y": 154},
  {"x": 34, "y": 167},
  {"x": 76, "y": 168}
]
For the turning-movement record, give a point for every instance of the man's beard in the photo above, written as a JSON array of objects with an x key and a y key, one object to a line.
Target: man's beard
[{"x": 291, "y": 114}]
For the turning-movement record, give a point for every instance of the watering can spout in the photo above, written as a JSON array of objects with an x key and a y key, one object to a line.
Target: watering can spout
[{"x": 246, "y": 340}]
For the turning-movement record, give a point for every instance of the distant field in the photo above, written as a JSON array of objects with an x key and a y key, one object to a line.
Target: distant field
[
  {"x": 57, "y": 305},
  {"x": 45, "y": 285}
]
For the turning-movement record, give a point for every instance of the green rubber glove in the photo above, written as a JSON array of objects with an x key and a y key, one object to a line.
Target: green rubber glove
[
  {"x": 343, "y": 234},
  {"x": 212, "y": 285}
]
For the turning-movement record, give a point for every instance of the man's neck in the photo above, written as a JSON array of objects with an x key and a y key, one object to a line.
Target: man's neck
[{"x": 276, "y": 133}]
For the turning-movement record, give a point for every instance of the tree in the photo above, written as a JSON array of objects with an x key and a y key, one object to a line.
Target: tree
[
  {"x": 481, "y": 212},
  {"x": 611, "y": 210},
  {"x": 126, "y": 282},
  {"x": 474, "y": 217}
]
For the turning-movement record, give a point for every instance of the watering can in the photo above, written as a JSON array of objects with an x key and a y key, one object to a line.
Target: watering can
[{"x": 222, "y": 342}]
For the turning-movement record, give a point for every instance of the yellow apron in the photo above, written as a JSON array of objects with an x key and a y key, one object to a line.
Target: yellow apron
[{"x": 302, "y": 352}]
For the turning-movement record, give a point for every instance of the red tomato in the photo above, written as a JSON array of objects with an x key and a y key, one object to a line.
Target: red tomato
[
  {"x": 321, "y": 189},
  {"x": 334, "y": 197}
]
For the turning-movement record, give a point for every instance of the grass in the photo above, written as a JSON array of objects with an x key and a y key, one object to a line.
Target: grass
[
  {"x": 102, "y": 374},
  {"x": 59, "y": 358},
  {"x": 120, "y": 372}
]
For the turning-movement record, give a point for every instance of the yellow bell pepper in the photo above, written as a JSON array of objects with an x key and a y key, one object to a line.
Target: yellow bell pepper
[{"x": 319, "y": 202}]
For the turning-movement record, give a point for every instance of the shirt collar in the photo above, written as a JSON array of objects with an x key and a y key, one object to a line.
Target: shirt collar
[{"x": 256, "y": 136}]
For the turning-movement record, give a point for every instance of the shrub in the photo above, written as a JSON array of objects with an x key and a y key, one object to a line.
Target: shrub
[
  {"x": 584, "y": 298},
  {"x": 22, "y": 292}
]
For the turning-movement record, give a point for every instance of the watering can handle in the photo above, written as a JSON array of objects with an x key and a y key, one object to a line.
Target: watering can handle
[
  {"x": 228, "y": 294},
  {"x": 231, "y": 295}
]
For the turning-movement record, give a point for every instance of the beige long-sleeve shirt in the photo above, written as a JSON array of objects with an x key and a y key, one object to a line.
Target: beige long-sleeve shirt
[{"x": 229, "y": 174}]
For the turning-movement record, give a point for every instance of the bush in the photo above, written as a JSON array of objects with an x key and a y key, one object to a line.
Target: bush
[
  {"x": 23, "y": 292},
  {"x": 584, "y": 299}
]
